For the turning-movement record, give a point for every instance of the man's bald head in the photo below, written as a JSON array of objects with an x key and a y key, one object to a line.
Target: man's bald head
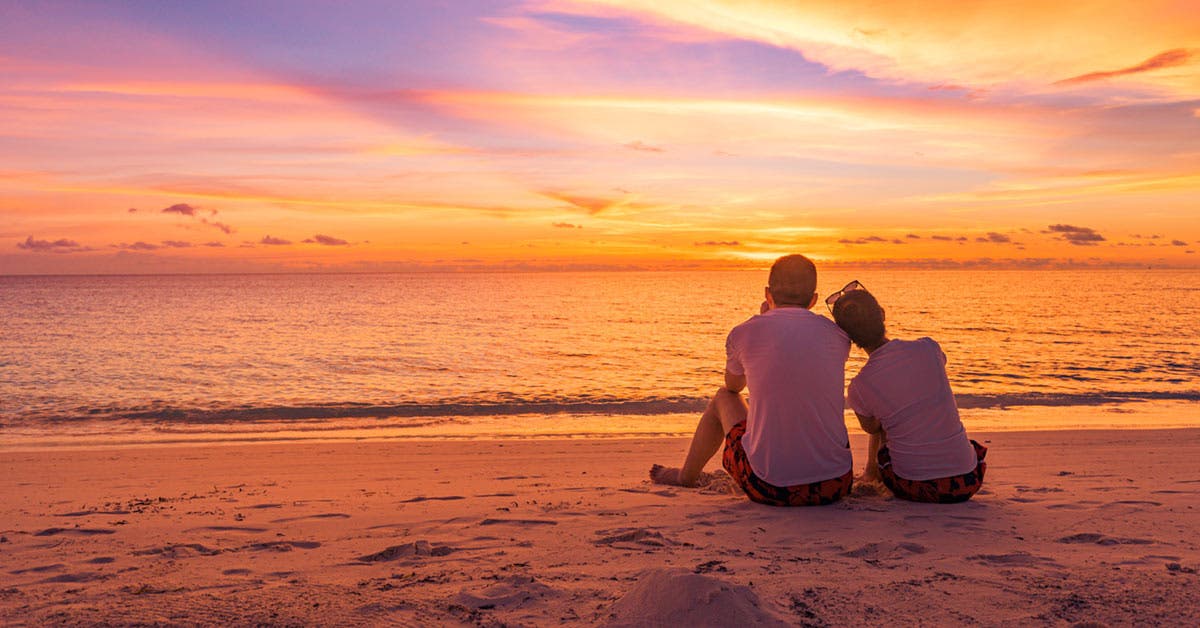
[{"x": 793, "y": 281}]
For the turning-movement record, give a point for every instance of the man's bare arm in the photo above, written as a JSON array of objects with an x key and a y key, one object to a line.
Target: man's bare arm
[{"x": 734, "y": 383}]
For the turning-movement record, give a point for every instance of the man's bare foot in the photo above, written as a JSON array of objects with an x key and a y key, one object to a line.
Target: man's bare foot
[{"x": 671, "y": 476}]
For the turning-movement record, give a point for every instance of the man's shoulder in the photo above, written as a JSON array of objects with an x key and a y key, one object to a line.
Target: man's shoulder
[
  {"x": 744, "y": 326},
  {"x": 789, "y": 322}
]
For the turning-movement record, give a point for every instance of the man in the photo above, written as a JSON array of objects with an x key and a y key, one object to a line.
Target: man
[{"x": 788, "y": 446}]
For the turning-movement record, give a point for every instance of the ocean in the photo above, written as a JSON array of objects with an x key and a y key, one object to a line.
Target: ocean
[{"x": 230, "y": 357}]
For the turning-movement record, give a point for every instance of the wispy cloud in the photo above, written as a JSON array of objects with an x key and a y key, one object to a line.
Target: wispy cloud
[
  {"x": 566, "y": 225},
  {"x": 1168, "y": 59},
  {"x": 136, "y": 246},
  {"x": 322, "y": 239},
  {"x": 591, "y": 204},
  {"x": 642, "y": 146},
  {"x": 182, "y": 209},
  {"x": 227, "y": 229},
  {"x": 1080, "y": 236},
  {"x": 718, "y": 243},
  {"x": 62, "y": 245},
  {"x": 191, "y": 211},
  {"x": 273, "y": 241},
  {"x": 867, "y": 240},
  {"x": 1002, "y": 44}
]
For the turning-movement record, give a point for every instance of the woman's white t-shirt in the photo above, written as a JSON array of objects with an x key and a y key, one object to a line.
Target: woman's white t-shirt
[{"x": 904, "y": 386}]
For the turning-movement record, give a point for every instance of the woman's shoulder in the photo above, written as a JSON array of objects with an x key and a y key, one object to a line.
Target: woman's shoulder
[
  {"x": 926, "y": 341},
  {"x": 897, "y": 350}
]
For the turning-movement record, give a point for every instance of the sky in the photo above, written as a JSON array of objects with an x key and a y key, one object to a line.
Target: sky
[{"x": 147, "y": 137}]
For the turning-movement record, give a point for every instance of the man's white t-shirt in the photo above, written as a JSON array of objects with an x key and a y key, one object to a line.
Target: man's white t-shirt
[
  {"x": 904, "y": 386},
  {"x": 794, "y": 362}
]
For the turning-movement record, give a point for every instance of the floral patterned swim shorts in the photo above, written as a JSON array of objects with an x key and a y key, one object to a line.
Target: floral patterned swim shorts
[
  {"x": 954, "y": 489},
  {"x": 759, "y": 490}
]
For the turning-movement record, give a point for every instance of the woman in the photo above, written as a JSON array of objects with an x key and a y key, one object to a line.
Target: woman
[{"x": 902, "y": 397}]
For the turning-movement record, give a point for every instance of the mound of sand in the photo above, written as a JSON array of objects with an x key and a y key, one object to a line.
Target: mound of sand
[{"x": 677, "y": 597}]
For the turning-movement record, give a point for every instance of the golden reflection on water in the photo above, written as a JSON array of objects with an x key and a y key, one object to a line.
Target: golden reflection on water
[{"x": 252, "y": 348}]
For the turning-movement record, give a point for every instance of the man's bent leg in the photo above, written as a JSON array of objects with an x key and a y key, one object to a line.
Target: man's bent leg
[{"x": 724, "y": 410}]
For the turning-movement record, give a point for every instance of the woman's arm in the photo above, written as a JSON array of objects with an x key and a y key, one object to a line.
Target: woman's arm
[
  {"x": 869, "y": 424},
  {"x": 872, "y": 426}
]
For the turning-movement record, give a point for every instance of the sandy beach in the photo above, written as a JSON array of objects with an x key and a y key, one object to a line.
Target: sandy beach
[{"x": 1071, "y": 528}]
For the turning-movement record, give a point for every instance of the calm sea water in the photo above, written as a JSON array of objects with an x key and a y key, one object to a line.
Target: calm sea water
[{"x": 230, "y": 348}]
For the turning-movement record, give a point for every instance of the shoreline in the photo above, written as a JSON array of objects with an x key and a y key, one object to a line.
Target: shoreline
[{"x": 1136, "y": 415}]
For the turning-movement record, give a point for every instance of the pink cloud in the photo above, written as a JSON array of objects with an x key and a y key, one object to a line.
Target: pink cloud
[{"x": 1168, "y": 59}]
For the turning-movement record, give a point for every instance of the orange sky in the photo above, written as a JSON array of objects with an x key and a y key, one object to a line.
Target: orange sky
[{"x": 552, "y": 134}]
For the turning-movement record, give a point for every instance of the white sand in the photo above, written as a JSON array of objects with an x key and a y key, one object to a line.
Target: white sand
[{"x": 1096, "y": 526}]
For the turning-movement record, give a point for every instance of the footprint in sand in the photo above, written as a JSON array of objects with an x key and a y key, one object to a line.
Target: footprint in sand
[
  {"x": 85, "y": 513},
  {"x": 75, "y": 578},
  {"x": 518, "y": 522},
  {"x": 1016, "y": 559},
  {"x": 633, "y": 536},
  {"x": 182, "y": 550},
  {"x": 878, "y": 551},
  {"x": 513, "y": 591},
  {"x": 42, "y": 569},
  {"x": 73, "y": 531},
  {"x": 408, "y": 550},
  {"x": 666, "y": 492},
  {"x": 324, "y": 515},
  {"x": 281, "y": 546},
  {"x": 246, "y": 529},
  {"x": 1100, "y": 539}
]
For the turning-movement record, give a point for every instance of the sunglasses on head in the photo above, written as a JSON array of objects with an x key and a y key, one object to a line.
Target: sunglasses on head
[{"x": 850, "y": 287}]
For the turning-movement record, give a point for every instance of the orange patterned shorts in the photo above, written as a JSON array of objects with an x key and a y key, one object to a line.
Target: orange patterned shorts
[
  {"x": 954, "y": 489},
  {"x": 759, "y": 490}
]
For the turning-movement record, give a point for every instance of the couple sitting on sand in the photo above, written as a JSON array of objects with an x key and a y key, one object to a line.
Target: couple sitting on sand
[{"x": 788, "y": 445}]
